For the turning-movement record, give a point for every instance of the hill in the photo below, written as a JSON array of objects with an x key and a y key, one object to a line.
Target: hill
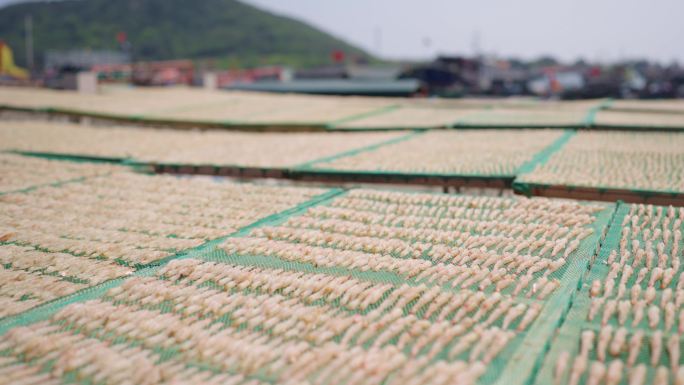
[{"x": 170, "y": 29}]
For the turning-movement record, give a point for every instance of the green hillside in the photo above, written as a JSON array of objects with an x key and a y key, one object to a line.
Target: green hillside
[{"x": 228, "y": 30}]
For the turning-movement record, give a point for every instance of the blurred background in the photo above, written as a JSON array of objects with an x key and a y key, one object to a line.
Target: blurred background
[{"x": 556, "y": 49}]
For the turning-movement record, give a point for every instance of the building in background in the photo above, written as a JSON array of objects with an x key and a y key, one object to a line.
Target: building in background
[{"x": 62, "y": 67}]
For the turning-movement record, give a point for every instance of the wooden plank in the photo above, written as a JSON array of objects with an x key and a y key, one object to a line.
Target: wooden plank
[{"x": 607, "y": 195}]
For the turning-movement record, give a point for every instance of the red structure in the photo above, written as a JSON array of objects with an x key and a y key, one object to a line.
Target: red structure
[{"x": 226, "y": 78}]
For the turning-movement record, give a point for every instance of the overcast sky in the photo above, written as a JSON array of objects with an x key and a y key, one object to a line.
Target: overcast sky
[{"x": 604, "y": 30}]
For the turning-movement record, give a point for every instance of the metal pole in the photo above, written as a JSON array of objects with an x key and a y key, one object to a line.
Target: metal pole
[
  {"x": 377, "y": 37},
  {"x": 28, "y": 23}
]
